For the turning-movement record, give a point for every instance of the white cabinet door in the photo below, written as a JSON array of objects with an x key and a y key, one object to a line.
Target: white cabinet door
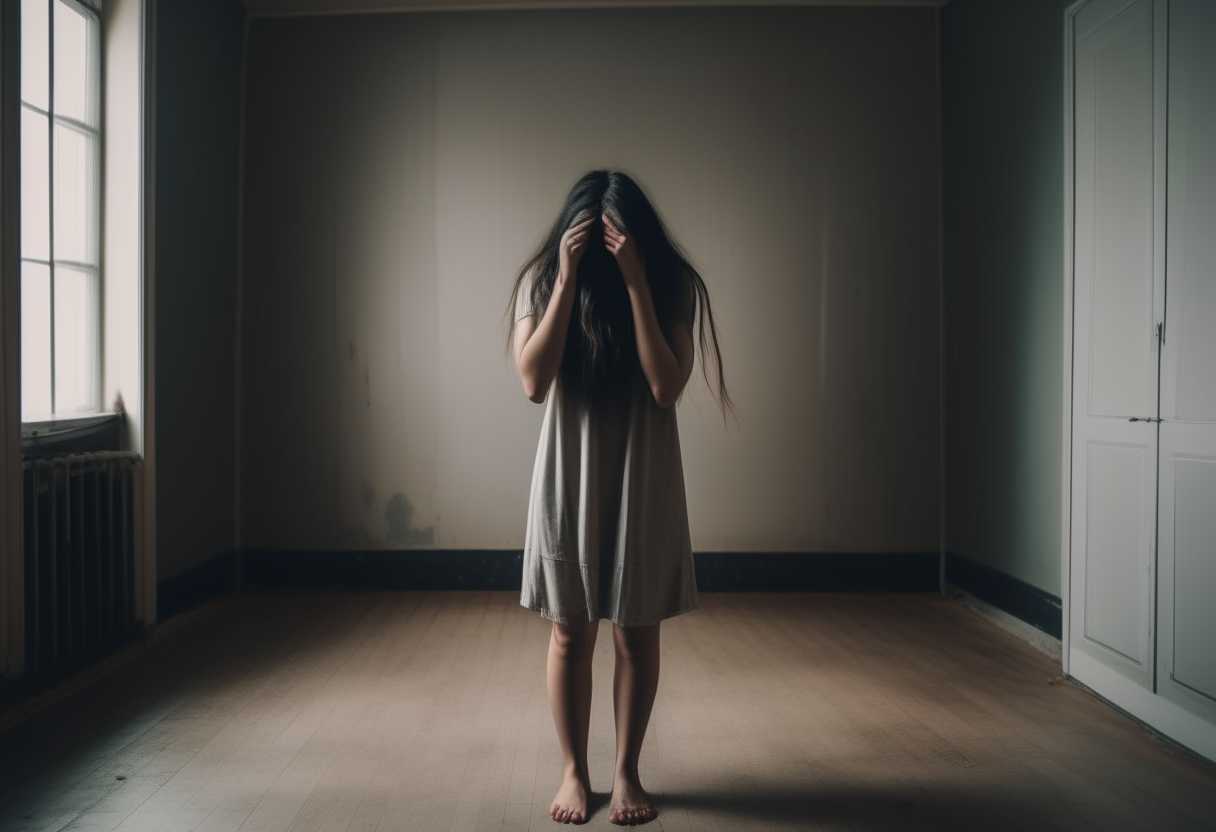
[
  {"x": 1187, "y": 520},
  {"x": 1118, "y": 302}
]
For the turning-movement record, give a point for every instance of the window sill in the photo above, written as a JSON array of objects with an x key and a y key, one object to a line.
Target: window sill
[{"x": 72, "y": 435}]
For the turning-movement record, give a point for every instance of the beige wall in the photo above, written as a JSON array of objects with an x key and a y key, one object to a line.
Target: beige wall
[{"x": 400, "y": 167}]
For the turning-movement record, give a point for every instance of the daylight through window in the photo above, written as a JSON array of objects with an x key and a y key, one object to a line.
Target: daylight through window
[{"x": 60, "y": 147}]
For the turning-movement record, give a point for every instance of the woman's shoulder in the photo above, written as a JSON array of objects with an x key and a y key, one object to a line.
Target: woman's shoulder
[{"x": 525, "y": 292}]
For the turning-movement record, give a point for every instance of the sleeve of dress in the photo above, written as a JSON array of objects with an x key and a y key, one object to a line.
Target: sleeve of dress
[{"x": 523, "y": 298}]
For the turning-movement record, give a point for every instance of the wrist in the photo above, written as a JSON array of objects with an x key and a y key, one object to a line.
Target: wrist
[{"x": 637, "y": 285}]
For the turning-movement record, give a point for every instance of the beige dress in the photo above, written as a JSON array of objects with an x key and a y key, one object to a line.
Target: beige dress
[{"x": 607, "y": 517}]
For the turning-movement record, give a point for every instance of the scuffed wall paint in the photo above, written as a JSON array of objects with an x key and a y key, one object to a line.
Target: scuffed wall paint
[{"x": 400, "y": 168}]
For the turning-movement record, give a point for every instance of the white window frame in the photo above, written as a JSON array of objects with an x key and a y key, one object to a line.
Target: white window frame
[{"x": 90, "y": 9}]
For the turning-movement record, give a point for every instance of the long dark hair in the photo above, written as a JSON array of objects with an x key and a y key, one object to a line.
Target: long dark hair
[{"x": 601, "y": 348}]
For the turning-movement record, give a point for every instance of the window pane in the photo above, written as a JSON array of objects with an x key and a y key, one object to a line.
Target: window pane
[
  {"x": 71, "y": 63},
  {"x": 35, "y": 59},
  {"x": 35, "y": 186},
  {"x": 75, "y": 341},
  {"x": 35, "y": 341},
  {"x": 73, "y": 158}
]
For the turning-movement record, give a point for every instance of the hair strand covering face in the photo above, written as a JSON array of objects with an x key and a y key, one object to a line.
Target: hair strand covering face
[{"x": 601, "y": 350}]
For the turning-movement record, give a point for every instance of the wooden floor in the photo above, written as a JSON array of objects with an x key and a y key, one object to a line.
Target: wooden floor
[{"x": 427, "y": 711}]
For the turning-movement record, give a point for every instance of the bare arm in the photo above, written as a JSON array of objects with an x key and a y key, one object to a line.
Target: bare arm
[
  {"x": 666, "y": 358},
  {"x": 539, "y": 346}
]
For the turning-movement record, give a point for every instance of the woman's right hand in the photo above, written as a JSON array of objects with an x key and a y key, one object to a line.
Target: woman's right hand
[
  {"x": 574, "y": 243},
  {"x": 540, "y": 343}
]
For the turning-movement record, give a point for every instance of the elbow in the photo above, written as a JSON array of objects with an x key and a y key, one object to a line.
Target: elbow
[
  {"x": 668, "y": 391},
  {"x": 665, "y": 397},
  {"x": 535, "y": 391}
]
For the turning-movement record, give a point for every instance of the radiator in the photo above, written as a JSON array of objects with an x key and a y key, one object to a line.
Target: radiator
[{"x": 79, "y": 559}]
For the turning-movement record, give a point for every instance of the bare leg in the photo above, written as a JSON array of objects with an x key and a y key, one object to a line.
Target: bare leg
[
  {"x": 633, "y": 689},
  {"x": 569, "y": 677}
]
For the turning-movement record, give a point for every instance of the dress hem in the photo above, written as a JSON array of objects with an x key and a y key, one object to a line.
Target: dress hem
[
  {"x": 556, "y": 619},
  {"x": 579, "y": 562}
]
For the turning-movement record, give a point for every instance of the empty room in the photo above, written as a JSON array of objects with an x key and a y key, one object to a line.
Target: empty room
[{"x": 690, "y": 414}]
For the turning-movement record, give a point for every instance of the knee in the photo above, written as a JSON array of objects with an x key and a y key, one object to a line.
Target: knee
[
  {"x": 573, "y": 641},
  {"x": 634, "y": 643}
]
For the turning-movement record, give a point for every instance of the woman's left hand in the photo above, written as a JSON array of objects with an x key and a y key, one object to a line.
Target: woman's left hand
[{"x": 626, "y": 253}]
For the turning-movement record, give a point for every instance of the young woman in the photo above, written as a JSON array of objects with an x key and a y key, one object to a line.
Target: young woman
[{"x": 604, "y": 320}]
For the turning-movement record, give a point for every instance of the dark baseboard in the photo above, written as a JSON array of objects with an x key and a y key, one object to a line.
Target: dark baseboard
[
  {"x": 1029, "y": 603},
  {"x": 212, "y": 578},
  {"x": 817, "y": 572},
  {"x": 383, "y": 569},
  {"x": 501, "y": 569}
]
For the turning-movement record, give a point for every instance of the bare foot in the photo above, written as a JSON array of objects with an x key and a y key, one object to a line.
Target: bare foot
[
  {"x": 570, "y": 805},
  {"x": 631, "y": 805}
]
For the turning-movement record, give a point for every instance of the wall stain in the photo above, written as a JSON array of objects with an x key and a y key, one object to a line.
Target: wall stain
[{"x": 399, "y": 514}]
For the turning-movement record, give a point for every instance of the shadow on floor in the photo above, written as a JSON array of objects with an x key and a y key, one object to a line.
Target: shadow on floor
[{"x": 876, "y": 808}]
